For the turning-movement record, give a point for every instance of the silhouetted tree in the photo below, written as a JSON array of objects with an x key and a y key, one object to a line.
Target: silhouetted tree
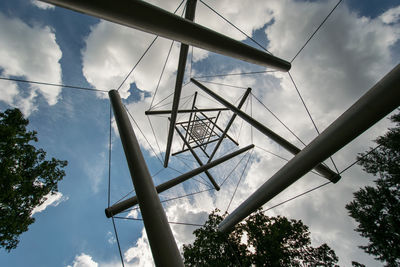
[
  {"x": 26, "y": 177},
  {"x": 377, "y": 209},
  {"x": 259, "y": 240}
]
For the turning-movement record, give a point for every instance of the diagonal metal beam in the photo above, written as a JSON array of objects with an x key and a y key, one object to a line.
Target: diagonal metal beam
[
  {"x": 246, "y": 94},
  {"x": 198, "y": 159},
  {"x": 196, "y": 146},
  {"x": 130, "y": 202},
  {"x": 320, "y": 168},
  {"x": 189, "y": 15},
  {"x": 146, "y": 17},
  {"x": 379, "y": 101},
  {"x": 160, "y": 112},
  {"x": 186, "y": 122},
  {"x": 190, "y": 116}
]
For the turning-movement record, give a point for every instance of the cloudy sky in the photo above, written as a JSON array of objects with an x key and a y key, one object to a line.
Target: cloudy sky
[{"x": 357, "y": 46}]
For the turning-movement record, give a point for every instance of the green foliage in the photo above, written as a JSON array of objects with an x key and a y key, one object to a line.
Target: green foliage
[
  {"x": 377, "y": 209},
  {"x": 25, "y": 177},
  {"x": 212, "y": 248},
  {"x": 357, "y": 264},
  {"x": 268, "y": 241}
]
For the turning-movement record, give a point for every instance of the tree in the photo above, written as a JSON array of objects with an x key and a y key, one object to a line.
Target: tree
[
  {"x": 377, "y": 209},
  {"x": 26, "y": 177},
  {"x": 260, "y": 241}
]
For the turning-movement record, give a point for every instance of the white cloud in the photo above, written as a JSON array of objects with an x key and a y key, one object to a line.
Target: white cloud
[
  {"x": 338, "y": 65},
  {"x": 30, "y": 52},
  {"x": 133, "y": 214},
  {"x": 391, "y": 16},
  {"x": 95, "y": 169},
  {"x": 84, "y": 260},
  {"x": 111, "y": 51},
  {"x": 140, "y": 255},
  {"x": 183, "y": 212},
  {"x": 51, "y": 200},
  {"x": 110, "y": 238},
  {"x": 42, "y": 5},
  {"x": 11, "y": 93}
]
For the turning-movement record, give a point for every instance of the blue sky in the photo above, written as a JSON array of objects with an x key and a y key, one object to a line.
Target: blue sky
[{"x": 352, "y": 51}]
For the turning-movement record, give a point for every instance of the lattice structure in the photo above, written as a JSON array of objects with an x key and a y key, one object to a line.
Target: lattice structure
[{"x": 200, "y": 131}]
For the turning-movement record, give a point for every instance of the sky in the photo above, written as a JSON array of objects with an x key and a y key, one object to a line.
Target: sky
[{"x": 354, "y": 49}]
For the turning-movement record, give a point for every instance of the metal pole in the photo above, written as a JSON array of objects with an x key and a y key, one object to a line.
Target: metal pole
[
  {"x": 198, "y": 119},
  {"x": 196, "y": 146},
  {"x": 246, "y": 94},
  {"x": 130, "y": 202},
  {"x": 320, "y": 168},
  {"x": 162, "y": 243},
  {"x": 379, "y": 101},
  {"x": 190, "y": 116},
  {"x": 160, "y": 112},
  {"x": 146, "y": 17},
  {"x": 216, "y": 186},
  {"x": 189, "y": 15}
]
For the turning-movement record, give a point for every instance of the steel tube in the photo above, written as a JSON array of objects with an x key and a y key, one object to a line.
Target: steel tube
[
  {"x": 189, "y": 15},
  {"x": 148, "y": 18},
  {"x": 379, "y": 101},
  {"x": 214, "y": 183},
  {"x": 198, "y": 119},
  {"x": 190, "y": 116},
  {"x": 196, "y": 146},
  {"x": 160, "y": 112},
  {"x": 162, "y": 243},
  {"x": 130, "y": 202},
  {"x": 246, "y": 94},
  {"x": 320, "y": 168}
]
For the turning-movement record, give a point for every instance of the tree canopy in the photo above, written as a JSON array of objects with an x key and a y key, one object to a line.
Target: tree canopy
[
  {"x": 377, "y": 209},
  {"x": 26, "y": 177},
  {"x": 259, "y": 241}
]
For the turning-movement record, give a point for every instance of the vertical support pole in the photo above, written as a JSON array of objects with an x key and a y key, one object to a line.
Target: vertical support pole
[
  {"x": 162, "y": 243},
  {"x": 198, "y": 159},
  {"x": 320, "y": 168},
  {"x": 246, "y": 94},
  {"x": 189, "y": 15}
]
